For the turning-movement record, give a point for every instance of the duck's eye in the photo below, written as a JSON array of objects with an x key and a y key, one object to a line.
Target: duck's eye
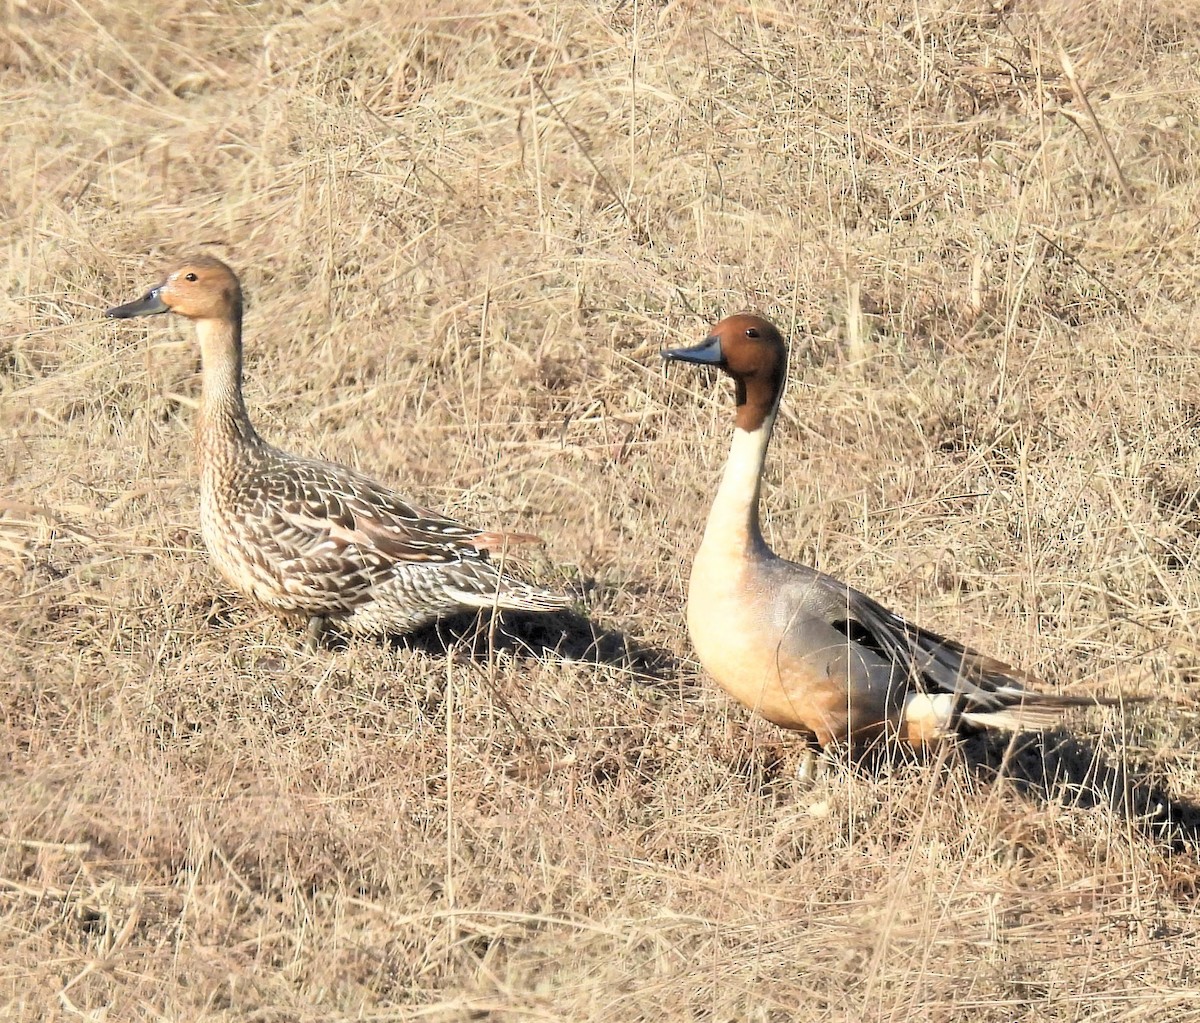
[
  {"x": 190, "y": 277},
  {"x": 751, "y": 332}
]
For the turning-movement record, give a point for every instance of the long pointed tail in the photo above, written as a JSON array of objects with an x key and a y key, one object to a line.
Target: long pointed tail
[
  {"x": 928, "y": 716},
  {"x": 1033, "y": 711}
]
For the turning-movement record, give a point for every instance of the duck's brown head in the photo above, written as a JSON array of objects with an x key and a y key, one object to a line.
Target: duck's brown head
[
  {"x": 751, "y": 350},
  {"x": 202, "y": 288}
]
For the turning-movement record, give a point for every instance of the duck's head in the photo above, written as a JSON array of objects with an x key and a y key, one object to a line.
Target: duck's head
[
  {"x": 202, "y": 288},
  {"x": 751, "y": 350}
]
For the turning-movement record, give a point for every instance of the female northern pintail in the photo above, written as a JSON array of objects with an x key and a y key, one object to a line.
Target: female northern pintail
[{"x": 307, "y": 536}]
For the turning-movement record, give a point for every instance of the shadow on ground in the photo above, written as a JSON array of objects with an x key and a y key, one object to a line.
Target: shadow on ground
[
  {"x": 566, "y": 635},
  {"x": 1057, "y": 767},
  {"x": 1053, "y": 767}
]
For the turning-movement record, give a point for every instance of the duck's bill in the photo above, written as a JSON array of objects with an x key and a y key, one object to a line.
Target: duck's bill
[
  {"x": 147, "y": 305},
  {"x": 706, "y": 353}
]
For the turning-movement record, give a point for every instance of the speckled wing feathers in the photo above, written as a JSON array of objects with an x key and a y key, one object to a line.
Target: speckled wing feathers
[
  {"x": 331, "y": 541},
  {"x": 354, "y": 511}
]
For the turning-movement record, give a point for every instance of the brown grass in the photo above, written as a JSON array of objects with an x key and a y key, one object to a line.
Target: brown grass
[{"x": 466, "y": 232}]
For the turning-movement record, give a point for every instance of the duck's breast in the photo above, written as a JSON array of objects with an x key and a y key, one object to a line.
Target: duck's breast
[{"x": 764, "y": 629}]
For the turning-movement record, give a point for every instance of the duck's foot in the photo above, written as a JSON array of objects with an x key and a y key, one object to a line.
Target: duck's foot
[
  {"x": 314, "y": 632},
  {"x": 808, "y": 769}
]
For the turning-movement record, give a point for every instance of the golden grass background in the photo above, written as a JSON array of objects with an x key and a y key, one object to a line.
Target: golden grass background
[{"x": 466, "y": 230}]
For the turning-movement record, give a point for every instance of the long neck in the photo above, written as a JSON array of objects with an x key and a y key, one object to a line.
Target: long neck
[
  {"x": 733, "y": 520},
  {"x": 223, "y": 418}
]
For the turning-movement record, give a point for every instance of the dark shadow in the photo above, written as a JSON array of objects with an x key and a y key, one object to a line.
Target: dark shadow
[
  {"x": 1057, "y": 767},
  {"x": 1053, "y": 767},
  {"x": 565, "y": 635}
]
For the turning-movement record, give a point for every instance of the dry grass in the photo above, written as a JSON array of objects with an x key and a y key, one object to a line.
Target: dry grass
[{"x": 466, "y": 231}]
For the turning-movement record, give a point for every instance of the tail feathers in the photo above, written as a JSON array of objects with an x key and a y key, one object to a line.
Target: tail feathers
[
  {"x": 485, "y": 584},
  {"x": 939, "y": 665},
  {"x": 496, "y": 541},
  {"x": 957, "y": 687},
  {"x": 1028, "y": 711},
  {"x": 1012, "y": 709},
  {"x": 523, "y": 597},
  {"x": 511, "y": 595}
]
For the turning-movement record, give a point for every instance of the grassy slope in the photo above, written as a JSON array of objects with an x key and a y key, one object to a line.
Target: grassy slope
[{"x": 465, "y": 235}]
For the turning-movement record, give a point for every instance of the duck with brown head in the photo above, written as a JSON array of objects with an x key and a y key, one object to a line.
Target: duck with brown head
[
  {"x": 807, "y": 651},
  {"x": 752, "y": 352},
  {"x": 310, "y": 537},
  {"x": 209, "y": 294}
]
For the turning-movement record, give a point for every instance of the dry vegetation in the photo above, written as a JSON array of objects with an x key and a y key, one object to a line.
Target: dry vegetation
[{"x": 466, "y": 231}]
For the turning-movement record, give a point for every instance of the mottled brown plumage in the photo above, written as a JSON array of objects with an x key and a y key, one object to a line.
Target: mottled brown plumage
[{"x": 311, "y": 537}]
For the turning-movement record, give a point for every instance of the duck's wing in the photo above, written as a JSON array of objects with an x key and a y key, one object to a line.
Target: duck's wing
[
  {"x": 983, "y": 691},
  {"x": 326, "y": 519}
]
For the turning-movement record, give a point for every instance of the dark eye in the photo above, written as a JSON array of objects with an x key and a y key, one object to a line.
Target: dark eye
[
  {"x": 189, "y": 277},
  {"x": 751, "y": 332}
]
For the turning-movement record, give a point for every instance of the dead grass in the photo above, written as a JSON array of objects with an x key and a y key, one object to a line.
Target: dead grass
[{"x": 466, "y": 231}]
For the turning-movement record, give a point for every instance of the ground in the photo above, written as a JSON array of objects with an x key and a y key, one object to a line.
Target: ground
[{"x": 466, "y": 230}]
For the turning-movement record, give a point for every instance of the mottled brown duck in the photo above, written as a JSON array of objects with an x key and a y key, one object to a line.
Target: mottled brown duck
[{"x": 309, "y": 537}]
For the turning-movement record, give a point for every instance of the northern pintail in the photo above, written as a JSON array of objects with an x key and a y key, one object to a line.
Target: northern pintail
[
  {"x": 801, "y": 648},
  {"x": 311, "y": 537}
]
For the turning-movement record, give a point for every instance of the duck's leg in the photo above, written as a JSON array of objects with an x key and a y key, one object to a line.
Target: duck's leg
[
  {"x": 806, "y": 770},
  {"x": 314, "y": 632}
]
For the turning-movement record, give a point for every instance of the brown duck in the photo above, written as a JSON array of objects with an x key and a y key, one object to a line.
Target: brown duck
[{"x": 310, "y": 537}]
